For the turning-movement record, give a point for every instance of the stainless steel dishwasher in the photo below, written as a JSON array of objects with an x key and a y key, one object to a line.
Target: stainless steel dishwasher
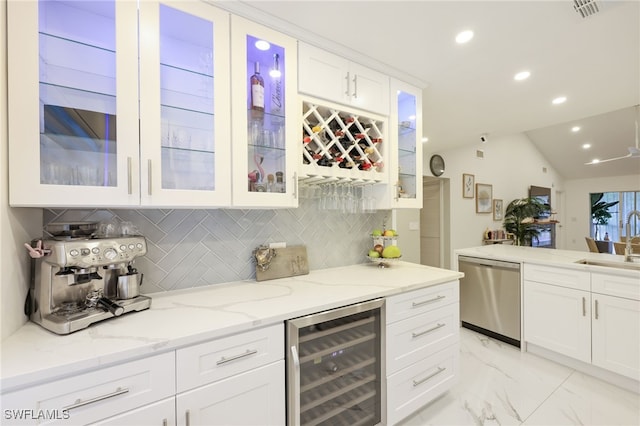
[{"x": 490, "y": 298}]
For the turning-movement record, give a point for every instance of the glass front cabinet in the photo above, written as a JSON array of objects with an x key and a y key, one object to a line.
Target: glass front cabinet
[
  {"x": 133, "y": 106},
  {"x": 266, "y": 116},
  {"x": 185, "y": 152},
  {"x": 406, "y": 127},
  {"x": 73, "y": 99}
]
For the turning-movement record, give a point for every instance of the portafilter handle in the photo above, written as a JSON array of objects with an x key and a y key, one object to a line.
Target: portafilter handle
[{"x": 111, "y": 306}]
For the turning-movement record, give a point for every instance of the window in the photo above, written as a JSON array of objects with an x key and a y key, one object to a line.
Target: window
[{"x": 614, "y": 227}]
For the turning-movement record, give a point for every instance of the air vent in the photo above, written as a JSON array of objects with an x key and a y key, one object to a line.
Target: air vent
[
  {"x": 586, "y": 8},
  {"x": 479, "y": 153}
]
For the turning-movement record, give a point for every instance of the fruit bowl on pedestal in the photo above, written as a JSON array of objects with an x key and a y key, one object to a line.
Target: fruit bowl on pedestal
[{"x": 384, "y": 262}]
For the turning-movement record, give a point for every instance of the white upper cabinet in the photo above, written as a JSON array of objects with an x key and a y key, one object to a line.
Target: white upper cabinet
[
  {"x": 266, "y": 116},
  {"x": 337, "y": 79},
  {"x": 405, "y": 122},
  {"x": 73, "y": 103},
  {"x": 184, "y": 96},
  {"x": 102, "y": 128}
]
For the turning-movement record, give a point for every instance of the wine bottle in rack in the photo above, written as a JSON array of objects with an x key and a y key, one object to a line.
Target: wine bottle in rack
[{"x": 257, "y": 90}]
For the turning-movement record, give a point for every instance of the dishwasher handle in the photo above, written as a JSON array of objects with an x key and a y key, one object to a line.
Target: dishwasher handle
[{"x": 488, "y": 262}]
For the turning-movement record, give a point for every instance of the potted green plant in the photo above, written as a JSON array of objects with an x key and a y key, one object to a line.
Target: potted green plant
[
  {"x": 600, "y": 214},
  {"x": 519, "y": 218}
]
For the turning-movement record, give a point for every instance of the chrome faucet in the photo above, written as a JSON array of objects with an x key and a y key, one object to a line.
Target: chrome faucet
[{"x": 628, "y": 254}]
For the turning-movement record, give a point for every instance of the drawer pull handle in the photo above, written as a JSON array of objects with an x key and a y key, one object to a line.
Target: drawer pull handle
[
  {"x": 584, "y": 307},
  {"x": 419, "y": 382},
  {"x": 80, "y": 403},
  {"x": 422, "y": 333},
  {"x": 596, "y": 308},
  {"x": 435, "y": 299},
  {"x": 249, "y": 352}
]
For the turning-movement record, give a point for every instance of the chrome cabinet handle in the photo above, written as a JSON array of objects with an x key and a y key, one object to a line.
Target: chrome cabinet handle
[
  {"x": 80, "y": 403},
  {"x": 129, "y": 183},
  {"x": 348, "y": 84},
  {"x": 584, "y": 307},
  {"x": 435, "y": 299},
  {"x": 596, "y": 308},
  {"x": 419, "y": 382},
  {"x": 422, "y": 333},
  {"x": 248, "y": 352},
  {"x": 149, "y": 176},
  {"x": 165, "y": 422},
  {"x": 295, "y": 185},
  {"x": 355, "y": 86},
  {"x": 187, "y": 418}
]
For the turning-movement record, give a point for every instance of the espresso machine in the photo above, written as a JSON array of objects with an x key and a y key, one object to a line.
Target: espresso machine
[{"x": 79, "y": 280}]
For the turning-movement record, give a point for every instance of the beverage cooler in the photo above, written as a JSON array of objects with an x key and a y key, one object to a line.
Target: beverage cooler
[{"x": 334, "y": 366}]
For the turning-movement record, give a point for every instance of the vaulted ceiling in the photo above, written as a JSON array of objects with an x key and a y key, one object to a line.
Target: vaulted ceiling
[{"x": 594, "y": 61}]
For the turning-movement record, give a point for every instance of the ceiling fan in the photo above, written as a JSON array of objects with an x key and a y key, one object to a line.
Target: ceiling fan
[{"x": 634, "y": 151}]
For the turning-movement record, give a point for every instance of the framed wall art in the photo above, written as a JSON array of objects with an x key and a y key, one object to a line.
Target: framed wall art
[
  {"x": 468, "y": 185},
  {"x": 484, "y": 197},
  {"x": 497, "y": 210}
]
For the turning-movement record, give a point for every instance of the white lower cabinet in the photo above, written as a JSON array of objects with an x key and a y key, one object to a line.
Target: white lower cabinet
[
  {"x": 422, "y": 347},
  {"x": 235, "y": 380},
  {"x": 558, "y": 318},
  {"x": 96, "y": 395},
  {"x": 591, "y": 317},
  {"x": 615, "y": 334},
  {"x": 161, "y": 413},
  {"x": 255, "y": 397}
]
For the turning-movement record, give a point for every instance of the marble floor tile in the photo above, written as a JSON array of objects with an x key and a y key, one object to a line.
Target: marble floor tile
[{"x": 500, "y": 385}]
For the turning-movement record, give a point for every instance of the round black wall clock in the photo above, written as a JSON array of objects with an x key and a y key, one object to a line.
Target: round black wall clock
[{"x": 436, "y": 164}]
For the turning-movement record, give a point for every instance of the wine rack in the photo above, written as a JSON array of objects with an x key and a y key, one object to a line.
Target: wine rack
[
  {"x": 343, "y": 144},
  {"x": 340, "y": 370}
]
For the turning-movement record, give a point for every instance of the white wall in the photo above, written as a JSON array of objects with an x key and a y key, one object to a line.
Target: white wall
[
  {"x": 17, "y": 226},
  {"x": 577, "y": 202},
  {"x": 409, "y": 239},
  {"x": 511, "y": 164}
]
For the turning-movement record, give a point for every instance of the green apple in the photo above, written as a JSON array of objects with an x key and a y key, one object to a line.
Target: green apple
[
  {"x": 391, "y": 252},
  {"x": 376, "y": 233},
  {"x": 373, "y": 253}
]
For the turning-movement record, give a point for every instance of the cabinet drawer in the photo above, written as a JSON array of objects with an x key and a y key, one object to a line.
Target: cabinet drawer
[
  {"x": 220, "y": 358},
  {"x": 411, "y": 388},
  {"x": 613, "y": 285},
  {"x": 580, "y": 280},
  {"x": 99, "y": 394},
  {"x": 416, "y": 302},
  {"x": 417, "y": 337}
]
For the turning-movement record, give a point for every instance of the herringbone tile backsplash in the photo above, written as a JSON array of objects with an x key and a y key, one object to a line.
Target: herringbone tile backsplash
[{"x": 192, "y": 248}]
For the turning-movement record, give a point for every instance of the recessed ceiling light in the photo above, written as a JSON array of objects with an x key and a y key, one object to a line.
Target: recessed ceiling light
[
  {"x": 522, "y": 75},
  {"x": 559, "y": 100},
  {"x": 464, "y": 36},
  {"x": 575, "y": 129},
  {"x": 263, "y": 45},
  {"x": 586, "y": 146},
  {"x": 425, "y": 139},
  {"x": 595, "y": 161}
]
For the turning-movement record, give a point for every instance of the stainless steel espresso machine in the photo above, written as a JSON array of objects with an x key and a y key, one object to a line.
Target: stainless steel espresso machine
[{"x": 79, "y": 280}]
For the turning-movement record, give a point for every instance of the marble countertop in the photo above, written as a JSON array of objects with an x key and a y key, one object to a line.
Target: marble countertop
[
  {"x": 553, "y": 257},
  {"x": 34, "y": 355}
]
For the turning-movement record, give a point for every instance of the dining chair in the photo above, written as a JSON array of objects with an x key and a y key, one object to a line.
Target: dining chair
[
  {"x": 591, "y": 243},
  {"x": 619, "y": 247}
]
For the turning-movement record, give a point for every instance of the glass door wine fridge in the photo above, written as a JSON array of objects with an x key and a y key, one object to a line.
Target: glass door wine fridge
[{"x": 334, "y": 366}]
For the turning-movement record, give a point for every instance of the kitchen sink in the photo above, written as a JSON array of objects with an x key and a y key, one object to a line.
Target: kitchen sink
[{"x": 619, "y": 265}]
